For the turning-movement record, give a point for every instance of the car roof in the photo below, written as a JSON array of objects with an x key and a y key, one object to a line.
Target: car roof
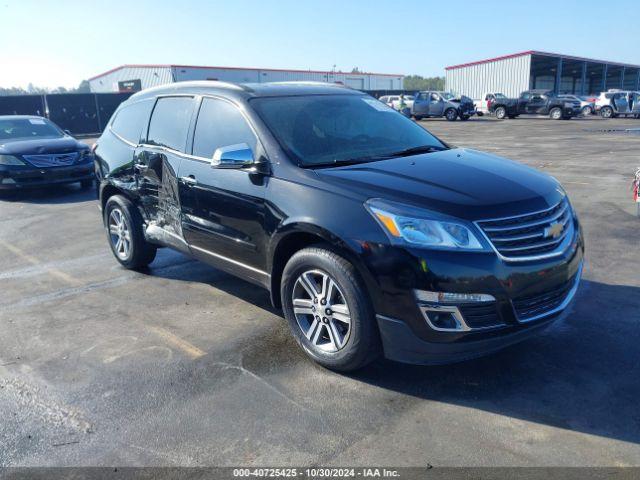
[
  {"x": 21, "y": 117},
  {"x": 246, "y": 90}
]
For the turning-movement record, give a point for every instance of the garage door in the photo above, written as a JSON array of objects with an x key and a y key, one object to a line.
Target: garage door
[{"x": 357, "y": 83}]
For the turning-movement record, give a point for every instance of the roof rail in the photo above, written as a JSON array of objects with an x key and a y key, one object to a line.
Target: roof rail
[{"x": 309, "y": 82}]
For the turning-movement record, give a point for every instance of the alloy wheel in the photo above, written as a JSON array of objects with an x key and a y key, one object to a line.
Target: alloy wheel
[
  {"x": 119, "y": 234},
  {"x": 321, "y": 311}
]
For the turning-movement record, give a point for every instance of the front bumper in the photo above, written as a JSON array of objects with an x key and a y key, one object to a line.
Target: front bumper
[
  {"x": 14, "y": 178},
  {"x": 528, "y": 296}
]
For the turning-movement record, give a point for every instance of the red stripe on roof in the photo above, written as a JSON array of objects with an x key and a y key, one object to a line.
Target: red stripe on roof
[
  {"x": 326, "y": 72},
  {"x": 537, "y": 52}
]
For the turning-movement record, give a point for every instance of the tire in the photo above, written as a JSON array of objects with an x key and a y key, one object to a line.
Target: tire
[
  {"x": 451, "y": 114},
  {"x": 123, "y": 221},
  {"x": 87, "y": 183},
  {"x": 586, "y": 111},
  {"x": 418, "y": 117},
  {"x": 464, "y": 118},
  {"x": 606, "y": 112},
  {"x": 555, "y": 113},
  {"x": 501, "y": 113},
  {"x": 327, "y": 338}
]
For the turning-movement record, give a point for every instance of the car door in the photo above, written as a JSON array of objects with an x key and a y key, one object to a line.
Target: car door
[
  {"x": 436, "y": 105},
  {"x": 223, "y": 208},
  {"x": 157, "y": 161},
  {"x": 523, "y": 102},
  {"x": 421, "y": 104},
  {"x": 537, "y": 104}
]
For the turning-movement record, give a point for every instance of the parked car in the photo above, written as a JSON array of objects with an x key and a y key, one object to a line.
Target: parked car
[
  {"x": 34, "y": 152},
  {"x": 442, "y": 104},
  {"x": 394, "y": 101},
  {"x": 484, "y": 104},
  {"x": 587, "y": 107},
  {"x": 536, "y": 102},
  {"x": 371, "y": 234},
  {"x": 615, "y": 103}
]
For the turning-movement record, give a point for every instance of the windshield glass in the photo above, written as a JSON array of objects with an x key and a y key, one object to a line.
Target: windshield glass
[
  {"x": 23, "y": 128},
  {"x": 500, "y": 95},
  {"x": 325, "y": 129},
  {"x": 448, "y": 96}
]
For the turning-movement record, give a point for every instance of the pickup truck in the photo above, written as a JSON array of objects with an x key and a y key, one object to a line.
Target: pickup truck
[
  {"x": 442, "y": 104},
  {"x": 536, "y": 102},
  {"x": 484, "y": 104}
]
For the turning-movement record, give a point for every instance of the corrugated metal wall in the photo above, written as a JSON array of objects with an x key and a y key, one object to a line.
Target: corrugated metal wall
[
  {"x": 509, "y": 76},
  {"x": 149, "y": 77},
  {"x": 153, "y": 76}
]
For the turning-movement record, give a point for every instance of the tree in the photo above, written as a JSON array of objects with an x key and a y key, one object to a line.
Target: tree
[{"x": 416, "y": 82}]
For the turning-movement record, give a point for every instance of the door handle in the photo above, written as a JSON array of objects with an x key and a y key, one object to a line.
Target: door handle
[{"x": 189, "y": 180}]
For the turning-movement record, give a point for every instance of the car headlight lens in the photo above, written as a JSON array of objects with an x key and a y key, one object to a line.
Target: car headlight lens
[
  {"x": 10, "y": 160},
  {"x": 408, "y": 225}
]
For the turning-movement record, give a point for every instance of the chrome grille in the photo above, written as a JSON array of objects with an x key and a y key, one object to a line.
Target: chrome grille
[
  {"x": 52, "y": 159},
  {"x": 531, "y": 235}
]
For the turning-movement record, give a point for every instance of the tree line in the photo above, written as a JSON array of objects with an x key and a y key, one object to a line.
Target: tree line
[
  {"x": 35, "y": 90},
  {"x": 416, "y": 82}
]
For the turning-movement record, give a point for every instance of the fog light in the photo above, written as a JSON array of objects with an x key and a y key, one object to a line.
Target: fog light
[
  {"x": 444, "y": 297},
  {"x": 444, "y": 318}
]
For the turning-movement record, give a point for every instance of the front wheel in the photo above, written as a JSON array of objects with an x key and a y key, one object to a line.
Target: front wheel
[
  {"x": 451, "y": 114},
  {"x": 586, "y": 111},
  {"x": 606, "y": 112},
  {"x": 555, "y": 113},
  {"x": 500, "y": 113},
  {"x": 328, "y": 309},
  {"x": 124, "y": 227}
]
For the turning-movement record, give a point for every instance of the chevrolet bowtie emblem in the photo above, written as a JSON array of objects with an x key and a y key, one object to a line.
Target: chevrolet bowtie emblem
[{"x": 554, "y": 230}]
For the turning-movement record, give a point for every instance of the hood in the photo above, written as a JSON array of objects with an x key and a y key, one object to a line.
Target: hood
[
  {"x": 461, "y": 99},
  {"x": 41, "y": 145},
  {"x": 459, "y": 182}
]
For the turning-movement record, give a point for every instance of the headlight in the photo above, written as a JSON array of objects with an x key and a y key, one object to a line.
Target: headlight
[
  {"x": 404, "y": 225},
  {"x": 10, "y": 160}
]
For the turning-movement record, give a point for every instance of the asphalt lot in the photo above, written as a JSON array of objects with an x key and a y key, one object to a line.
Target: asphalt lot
[{"x": 186, "y": 365}]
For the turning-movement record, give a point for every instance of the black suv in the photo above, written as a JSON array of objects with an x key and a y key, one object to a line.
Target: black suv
[
  {"x": 370, "y": 233},
  {"x": 536, "y": 102}
]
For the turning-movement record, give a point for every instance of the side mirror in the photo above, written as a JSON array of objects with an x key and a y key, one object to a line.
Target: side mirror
[
  {"x": 233, "y": 156},
  {"x": 68, "y": 132}
]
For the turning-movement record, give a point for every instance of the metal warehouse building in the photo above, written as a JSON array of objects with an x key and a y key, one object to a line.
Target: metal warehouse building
[
  {"x": 513, "y": 74},
  {"x": 127, "y": 78}
]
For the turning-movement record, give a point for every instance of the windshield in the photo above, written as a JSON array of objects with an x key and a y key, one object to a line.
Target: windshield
[
  {"x": 327, "y": 129},
  {"x": 448, "y": 96},
  {"x": 500, "y": 95},
  {"x": 24, "y": 128}
]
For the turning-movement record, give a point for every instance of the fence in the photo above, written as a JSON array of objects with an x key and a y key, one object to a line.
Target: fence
[
  {"x": 80, "y": 113},
  {"x": 88, "y": 113}
]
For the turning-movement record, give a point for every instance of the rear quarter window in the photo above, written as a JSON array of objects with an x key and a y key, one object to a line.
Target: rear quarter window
[{"x": 130, "y": 120}]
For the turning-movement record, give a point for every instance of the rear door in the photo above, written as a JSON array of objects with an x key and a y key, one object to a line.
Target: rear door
[
  {"x": 421, "y": 104},
  {"x": 537, "y": 104},
  {"x": 523, "y": 102},
  {"x": 225, "y": 223},
  {"x": 157, "y": 161}
]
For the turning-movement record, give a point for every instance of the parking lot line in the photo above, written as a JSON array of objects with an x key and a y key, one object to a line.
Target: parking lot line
[
  {"x": 172, "y": 339},
  {"x": 34, "y": 261}
]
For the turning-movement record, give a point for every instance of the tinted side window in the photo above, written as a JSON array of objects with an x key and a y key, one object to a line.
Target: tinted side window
[
  {"x": 170, "y": 122},
  {"x": 131, "y": 119},
  {"x": 220, "y": 124}
]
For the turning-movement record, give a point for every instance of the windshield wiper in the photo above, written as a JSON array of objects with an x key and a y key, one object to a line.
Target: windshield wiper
[{"x": 374, "y": 158}]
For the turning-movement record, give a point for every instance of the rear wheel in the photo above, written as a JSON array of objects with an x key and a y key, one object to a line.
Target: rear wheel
[
  {"x": 328, "y": 309},
  {"x": 501, "y": 112},
  {"x": 606, "y": 112},
  {"x": 451, "y": 114},
  {"x": 555, "y": 113},
  {"x": 124, "y": 227}
]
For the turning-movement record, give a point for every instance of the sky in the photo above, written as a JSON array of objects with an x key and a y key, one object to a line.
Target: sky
[{"x": 59, "y": 43}]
